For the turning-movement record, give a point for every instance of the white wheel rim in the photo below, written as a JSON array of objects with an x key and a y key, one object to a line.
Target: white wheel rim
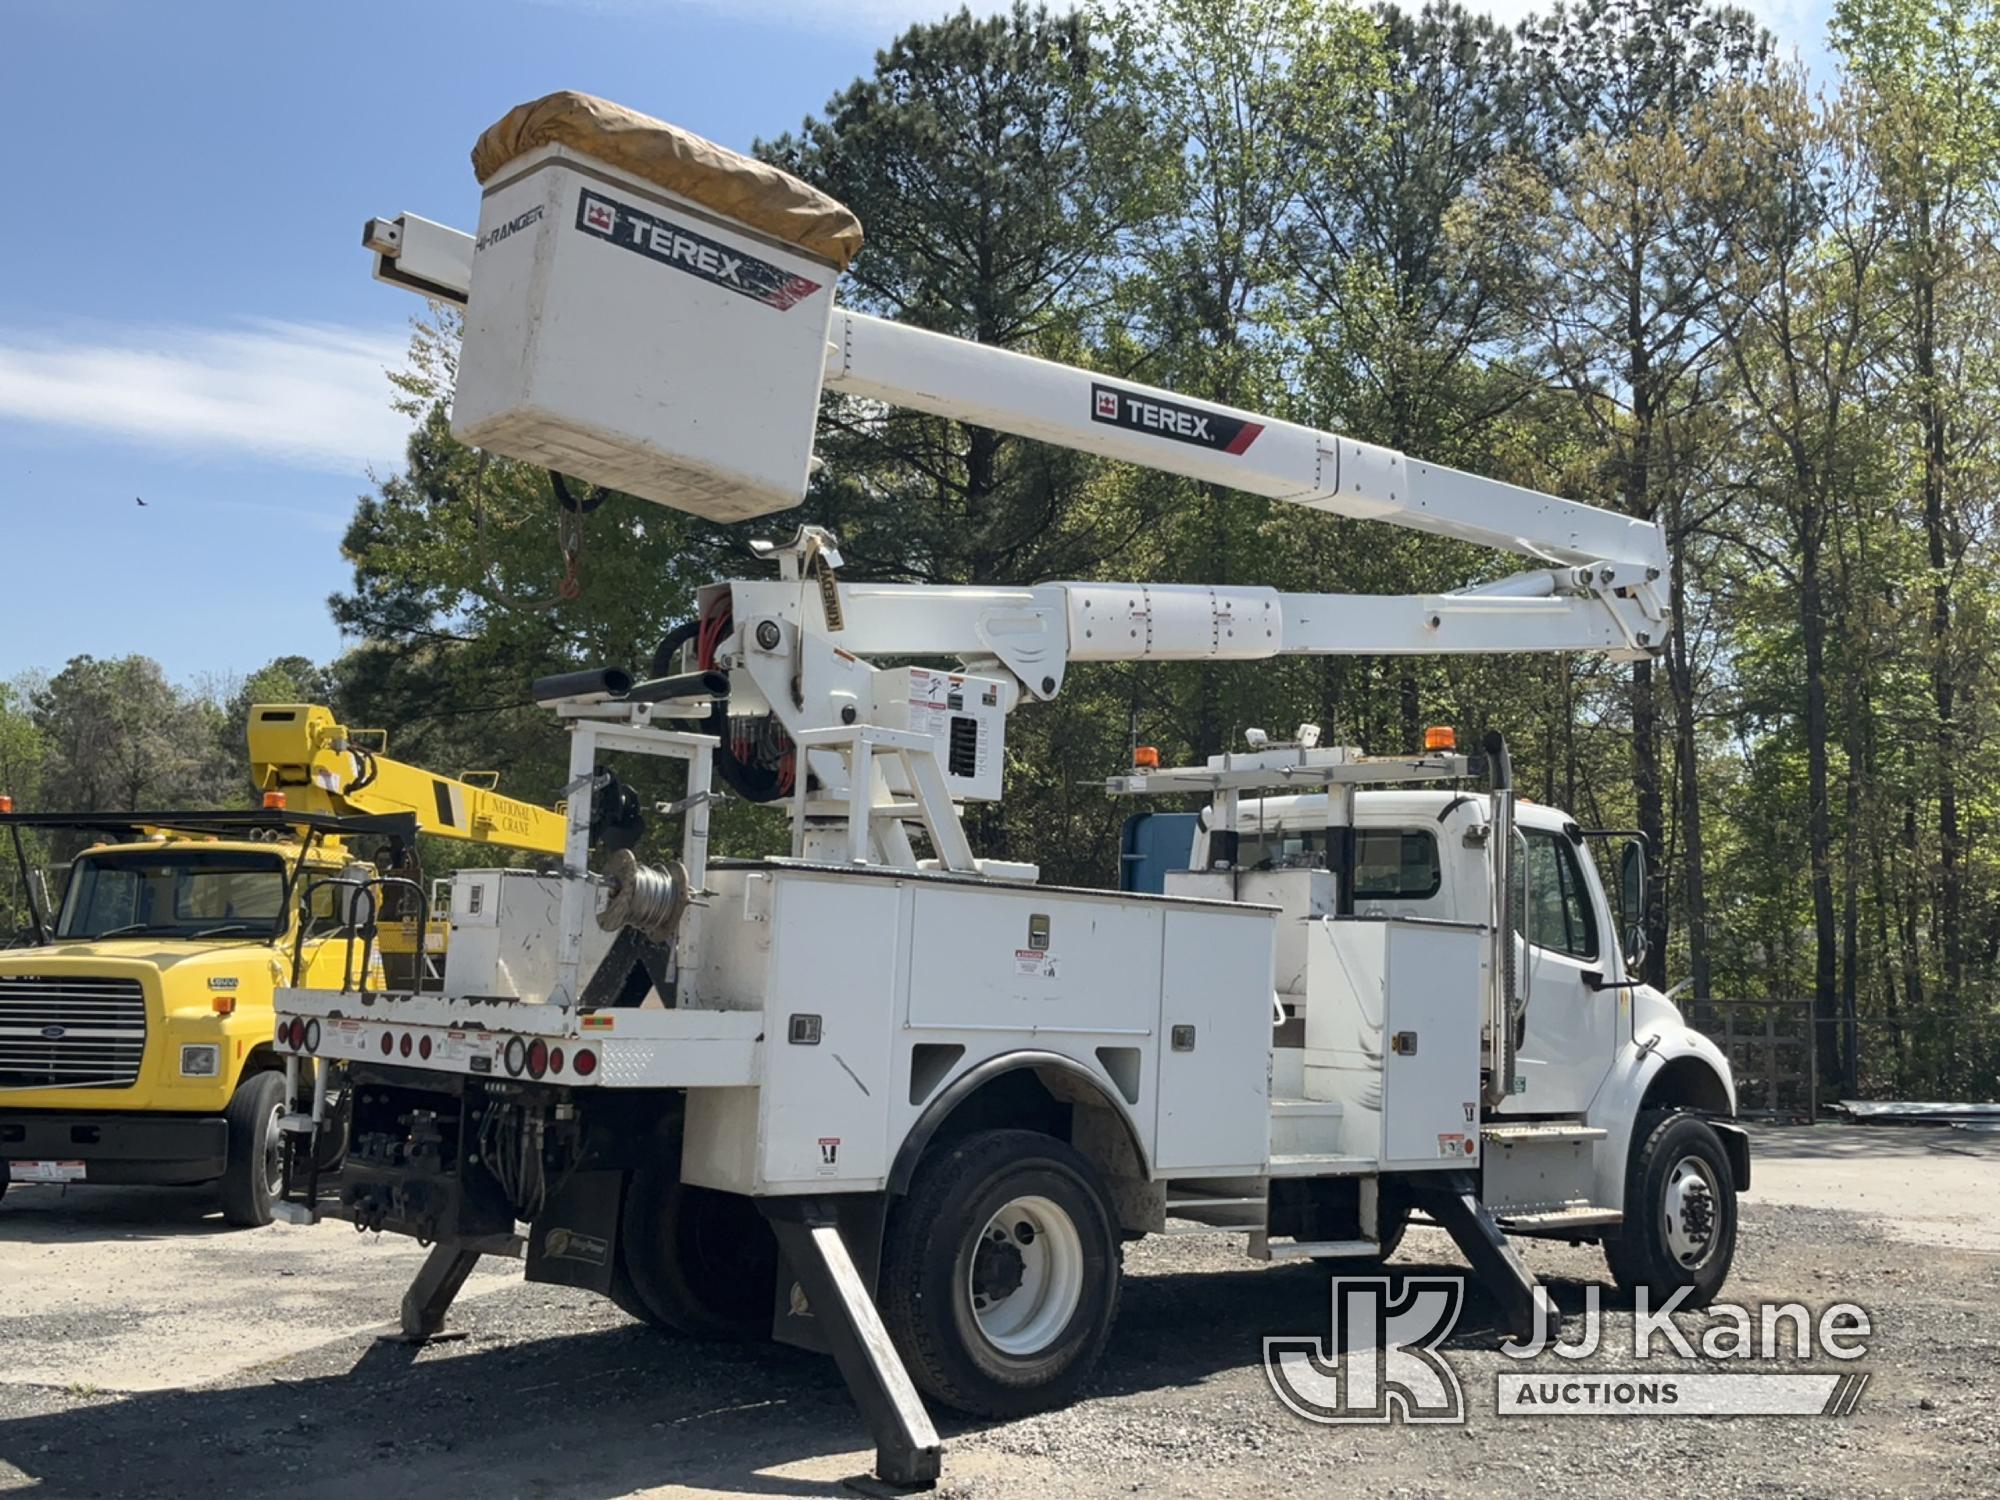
[
  {"x": 1690, "y": 1211},
  {"x": 1025, "y": 1278}
]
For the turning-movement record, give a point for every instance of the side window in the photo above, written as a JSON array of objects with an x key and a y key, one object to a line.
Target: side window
[
  {"x": 1559, "y": 915},
  {"x": 1396, "y": 864}
]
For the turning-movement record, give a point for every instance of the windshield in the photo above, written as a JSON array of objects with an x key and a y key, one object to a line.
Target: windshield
[{"x": 175, "y": 893}]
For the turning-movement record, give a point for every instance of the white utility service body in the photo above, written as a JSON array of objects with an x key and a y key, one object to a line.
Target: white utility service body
[{"x": 907, "y": 1106}]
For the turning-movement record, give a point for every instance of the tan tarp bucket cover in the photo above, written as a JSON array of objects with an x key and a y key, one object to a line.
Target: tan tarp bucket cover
[{"x": 749, "y": 191}]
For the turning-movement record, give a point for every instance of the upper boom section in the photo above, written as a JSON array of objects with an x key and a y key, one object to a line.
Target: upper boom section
[
  {"x": 668, "y": 332},
  {"x": 1243, "y": 450}
]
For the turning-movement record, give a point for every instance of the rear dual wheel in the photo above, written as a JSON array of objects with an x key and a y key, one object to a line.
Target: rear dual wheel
[{"x": 692, "y": 1259}]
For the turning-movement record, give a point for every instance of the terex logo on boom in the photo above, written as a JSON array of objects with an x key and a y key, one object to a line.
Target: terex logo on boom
[{"x": 1171, "y": 419}]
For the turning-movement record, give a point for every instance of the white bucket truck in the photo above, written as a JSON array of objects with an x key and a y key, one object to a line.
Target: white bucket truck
[{"x": 893, "y": 1100}]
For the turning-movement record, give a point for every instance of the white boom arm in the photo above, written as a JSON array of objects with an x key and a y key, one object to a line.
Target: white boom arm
[
  {"x": 1600, "y": 594},
  {"x": 1241, "y": 450}
]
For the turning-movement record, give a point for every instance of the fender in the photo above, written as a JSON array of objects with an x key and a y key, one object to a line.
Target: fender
[
  {"x": 968, "y": 1083},
  {"x": 1660, "y": 1040}
]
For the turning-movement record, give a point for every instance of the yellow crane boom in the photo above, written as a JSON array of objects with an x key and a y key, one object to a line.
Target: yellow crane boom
[{"x": 320, "y": 765}]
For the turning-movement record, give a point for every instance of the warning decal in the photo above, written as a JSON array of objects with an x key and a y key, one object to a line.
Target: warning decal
[
  {"x": 661, "y": 239},
  {"x": 1035, "y": 963}
]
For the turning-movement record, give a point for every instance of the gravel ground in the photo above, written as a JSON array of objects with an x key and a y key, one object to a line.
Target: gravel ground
[{"x": 124, "y": 1370}]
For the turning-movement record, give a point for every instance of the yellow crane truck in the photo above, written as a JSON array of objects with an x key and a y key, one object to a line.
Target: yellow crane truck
[{"x": 136, "y": 1024}]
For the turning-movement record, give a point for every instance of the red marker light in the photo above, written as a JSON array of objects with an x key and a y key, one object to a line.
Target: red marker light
[
  {"x": 406, "y": 1044},
  {"x": 538, "y": 1058},
  {"x": 555, "y": 1060},
  {"x": 586, "y": 1063},
  {"x": 388, "y": 1044},
  {"x": 295, "y": 1033},
  {"x": 424, "y": 1048}
]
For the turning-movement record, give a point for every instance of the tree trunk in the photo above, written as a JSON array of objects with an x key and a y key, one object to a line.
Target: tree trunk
[
  {"x": 1680, "y": 682},
  {"x": 1819, "y": 832}
]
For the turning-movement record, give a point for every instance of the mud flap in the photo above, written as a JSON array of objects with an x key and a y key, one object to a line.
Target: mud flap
[
  {"x": 574, "y": 1240},
  {"x": 861, "y": 1217}
]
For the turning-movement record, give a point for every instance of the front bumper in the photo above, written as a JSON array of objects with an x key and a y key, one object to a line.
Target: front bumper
[{"x": 120, "y": 1148}]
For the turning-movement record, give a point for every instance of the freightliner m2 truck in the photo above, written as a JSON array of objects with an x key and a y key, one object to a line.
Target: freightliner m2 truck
[{"x": 891, "y": 1098}]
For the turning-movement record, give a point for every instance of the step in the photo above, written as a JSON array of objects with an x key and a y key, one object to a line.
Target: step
[
  {"x": 1320, "y": 1165},
  {"x": 1198, "y": 1227},
  {"x": 1327, "y": 1108},
  {"x": 1263, "y": 1247},
  {"x": 1541, "y": 1133},
  {"x": 296, "y": 1124},
  {"x": 1569, "y": 1216}
]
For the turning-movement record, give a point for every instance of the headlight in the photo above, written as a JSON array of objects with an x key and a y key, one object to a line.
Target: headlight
[{"x": 200, "y": 1061}]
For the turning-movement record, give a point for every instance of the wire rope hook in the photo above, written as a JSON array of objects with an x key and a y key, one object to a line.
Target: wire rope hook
[{"x": 571, "y": 511}]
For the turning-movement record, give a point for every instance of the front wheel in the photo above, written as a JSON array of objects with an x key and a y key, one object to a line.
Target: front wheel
[
  {"x": 1680, "y": 1210},
  {"x": 1000, "y": 1273},
  {"x": 253, "y": 1170}
]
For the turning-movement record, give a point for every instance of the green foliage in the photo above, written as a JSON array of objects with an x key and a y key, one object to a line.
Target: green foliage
[{"x": 1621, "y": 254}]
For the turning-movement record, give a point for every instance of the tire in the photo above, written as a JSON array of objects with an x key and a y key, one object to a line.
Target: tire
[
  {"x": 981, "y": 1352},
  {"x": 1680, "y": 1210},
  {"x": 698, "y": 1261},
  {"x": 250, "y": 1176}
]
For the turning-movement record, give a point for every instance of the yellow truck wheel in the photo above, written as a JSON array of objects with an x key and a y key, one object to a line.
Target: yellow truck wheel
[{"x": 250, "y": 1178}]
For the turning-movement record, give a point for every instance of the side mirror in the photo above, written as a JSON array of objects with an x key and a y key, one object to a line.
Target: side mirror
[{"x": 1632, "y": 884}]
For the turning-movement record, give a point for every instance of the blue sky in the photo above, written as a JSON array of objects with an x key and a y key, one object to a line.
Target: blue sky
[{"x": 186, "y": 314}]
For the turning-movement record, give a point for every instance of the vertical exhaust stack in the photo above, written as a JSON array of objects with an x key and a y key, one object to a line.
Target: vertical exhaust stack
[
  {"x": 648, "y": 310},
  {"x": 1503, "y": 1006}
]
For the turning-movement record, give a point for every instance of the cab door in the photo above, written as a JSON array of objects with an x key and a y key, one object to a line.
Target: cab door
[{"x": 1573, "y": 1026}]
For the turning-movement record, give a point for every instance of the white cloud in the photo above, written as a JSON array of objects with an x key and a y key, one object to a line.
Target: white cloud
[{"x": 312, "y": 396}]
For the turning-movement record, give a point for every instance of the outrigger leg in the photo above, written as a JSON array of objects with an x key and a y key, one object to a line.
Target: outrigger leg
[
  {"x": 435, "y": 1288},
  {"x": 1452, "y": 1199},
  {"x": 908, "y": 1453}
]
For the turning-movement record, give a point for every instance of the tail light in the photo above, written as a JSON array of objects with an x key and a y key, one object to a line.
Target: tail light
[
  {"x": 585, "y": 1062},
  {"x": 424, "y": 1048},
  {"x": 295, "y": 1033},
  {"x": 538, "y": 1058},
  {"x": 406, "y": 1045},
  {"x": 388, "y": 1044},
  {"x": 555, "y": 1059}
]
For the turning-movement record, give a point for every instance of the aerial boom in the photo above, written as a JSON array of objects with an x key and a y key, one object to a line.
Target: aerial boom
[{"x": 1242, "y": 450}]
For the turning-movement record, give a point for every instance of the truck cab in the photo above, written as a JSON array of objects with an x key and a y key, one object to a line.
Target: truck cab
[{"x": 1597, "y": 1049}]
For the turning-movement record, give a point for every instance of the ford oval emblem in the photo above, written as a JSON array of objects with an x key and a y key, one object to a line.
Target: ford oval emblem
[{"x": 53, "y": 1032}]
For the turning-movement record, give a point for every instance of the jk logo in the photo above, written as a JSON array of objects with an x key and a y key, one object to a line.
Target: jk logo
[{"x": 1379, "y": 1361}]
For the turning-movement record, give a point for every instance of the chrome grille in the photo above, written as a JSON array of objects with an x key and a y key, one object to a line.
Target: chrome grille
[{"x": 70, "y": 1031}]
